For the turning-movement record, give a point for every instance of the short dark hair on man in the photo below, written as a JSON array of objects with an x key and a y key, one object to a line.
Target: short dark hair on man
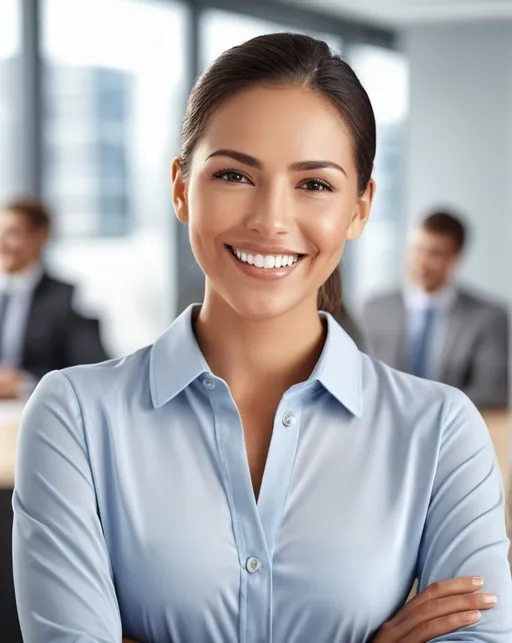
[
  {"x": 448, "y": 224},
  {"x": 34, "y": 210}
]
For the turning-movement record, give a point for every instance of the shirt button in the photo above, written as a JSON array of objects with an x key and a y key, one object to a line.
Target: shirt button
[
  {"x": 288, "y": 419},
  {"x": 252, "y": 565},
  {"x": 209, "y": 383}
]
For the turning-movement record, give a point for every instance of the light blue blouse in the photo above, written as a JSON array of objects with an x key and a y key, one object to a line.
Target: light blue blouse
[{"x": 135, "y": 514}]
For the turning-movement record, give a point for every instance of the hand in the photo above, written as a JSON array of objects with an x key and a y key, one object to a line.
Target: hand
[
  {"x": 11, "y": 383},
  {"x": 442, "y": 607}
]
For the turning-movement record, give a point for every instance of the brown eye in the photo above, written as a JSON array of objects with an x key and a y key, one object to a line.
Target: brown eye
[
  {"x": 230, "y": 175},
  {"x": 316, "y": 185}
]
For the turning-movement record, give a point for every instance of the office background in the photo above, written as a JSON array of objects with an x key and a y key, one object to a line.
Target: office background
[
  {"x": 92, "y": 93},
  {"x": 91, "y": 97}
]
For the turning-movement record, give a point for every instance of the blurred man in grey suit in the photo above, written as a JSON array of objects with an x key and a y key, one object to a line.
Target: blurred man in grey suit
[{"x": 437, "y": 330}]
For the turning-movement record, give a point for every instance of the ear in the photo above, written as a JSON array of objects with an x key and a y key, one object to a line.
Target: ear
[
  {"x": 179, "y": 192},
  {"x": 361, "y": 212}
]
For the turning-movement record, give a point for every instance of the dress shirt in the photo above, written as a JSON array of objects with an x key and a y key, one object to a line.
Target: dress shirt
[
  {"x": 21, "y": 288},
  {"x": 417, "y": 302},
  {"x": 135, "y": 512}
]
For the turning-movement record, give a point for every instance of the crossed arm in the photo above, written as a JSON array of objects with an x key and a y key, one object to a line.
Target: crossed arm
[{"x": 63, "y": 580}]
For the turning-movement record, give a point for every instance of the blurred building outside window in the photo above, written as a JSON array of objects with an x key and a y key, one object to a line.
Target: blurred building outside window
[
  {"x": 115, "y": 81},
  {"x": 10, "y": 123}
]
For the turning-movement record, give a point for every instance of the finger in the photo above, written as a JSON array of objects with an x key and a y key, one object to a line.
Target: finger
[
  {"x": 444, "y": 608},
  {"x": 444, "y": 625},
  {"x": 440, "y": 589}
]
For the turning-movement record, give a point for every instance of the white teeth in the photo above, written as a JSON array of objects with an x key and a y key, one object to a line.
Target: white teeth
[{"x": 266, "y": 262}]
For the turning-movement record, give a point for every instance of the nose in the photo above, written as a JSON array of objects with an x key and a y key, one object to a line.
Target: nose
[{"x": 271, "y": 213}]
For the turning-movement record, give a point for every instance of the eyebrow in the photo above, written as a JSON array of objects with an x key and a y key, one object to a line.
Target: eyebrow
[{"x": 300, "y": 166}]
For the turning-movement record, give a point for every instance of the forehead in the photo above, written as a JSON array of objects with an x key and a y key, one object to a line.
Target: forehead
[
  {"x": 281, "y": 124},
  {"x": 13, "y": 220},
  {"x": 12, "y": 217}
]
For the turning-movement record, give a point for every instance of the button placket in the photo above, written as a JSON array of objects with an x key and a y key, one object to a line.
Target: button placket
[
  {"x": 253, "y": 565},
  {"x": 288, "y": 419},
  {"x": 209, "y": 383}
]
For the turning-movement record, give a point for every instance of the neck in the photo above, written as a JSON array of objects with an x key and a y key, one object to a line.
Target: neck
[
  {"x": 247, "y": 354},
  {"x": 432, "y": 290}
]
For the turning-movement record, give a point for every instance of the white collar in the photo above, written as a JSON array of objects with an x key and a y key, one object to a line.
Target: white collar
[
  {"x": 25, "y": 281},
  {"x": 441, "y": 300}
]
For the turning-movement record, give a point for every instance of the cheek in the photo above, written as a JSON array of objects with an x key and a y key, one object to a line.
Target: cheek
[
  {"x": 327, "y": 227},
  {"x": 214, "y": 209}
]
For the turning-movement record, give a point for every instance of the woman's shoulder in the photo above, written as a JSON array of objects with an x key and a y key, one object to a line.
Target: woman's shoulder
[
  {"x": 90, "y": 382},
  {"x": 411, "y": 400}
]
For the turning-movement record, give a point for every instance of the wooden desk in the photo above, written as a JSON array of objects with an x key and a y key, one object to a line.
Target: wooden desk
[{"x": 10, "y": 413}]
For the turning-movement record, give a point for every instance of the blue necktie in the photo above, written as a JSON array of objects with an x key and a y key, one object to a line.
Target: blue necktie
[{"x": 421, "y": 348}]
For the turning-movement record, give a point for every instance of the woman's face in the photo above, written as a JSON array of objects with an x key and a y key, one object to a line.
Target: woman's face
[{"x": 270, "y": 199}]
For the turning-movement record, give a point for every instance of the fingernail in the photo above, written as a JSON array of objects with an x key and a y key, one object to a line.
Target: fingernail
[
  {"x": 478, "y": 581},
  {"x": 489, "y": 599},
  {"x": 472, "y": 617}
]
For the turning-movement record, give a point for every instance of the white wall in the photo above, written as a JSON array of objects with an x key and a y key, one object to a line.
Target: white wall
[{"x": 460, "y": 138}]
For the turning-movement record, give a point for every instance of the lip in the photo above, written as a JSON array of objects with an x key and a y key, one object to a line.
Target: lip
[
  {"x": 268, "y": 250},
  {"x": 264, "y": 274}
]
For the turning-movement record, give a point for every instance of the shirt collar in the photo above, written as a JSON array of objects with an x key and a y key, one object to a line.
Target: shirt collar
[
  {"x": 441, "y": 300},
  {"x": 340, "y": 367},
  {"x": 176, "y": 361},
  {"x": 24, "y": 281}
]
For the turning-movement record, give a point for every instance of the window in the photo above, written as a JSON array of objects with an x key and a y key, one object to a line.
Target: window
[
  {"x": 114, "y": 89},
  {"x": 374, "y": 262},
  {"x": 220, "y": 30},
  {"x": 10, "y": 125}
]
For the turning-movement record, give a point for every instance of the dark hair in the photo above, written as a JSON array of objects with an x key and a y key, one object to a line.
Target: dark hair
[
  {"x": 277, "y": 59},
  {"x": 449, "y": 225},
  {"x": 34, "y": 211}
]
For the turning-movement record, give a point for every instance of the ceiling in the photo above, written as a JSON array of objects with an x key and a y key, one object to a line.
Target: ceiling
[{"x": 404, "y": 12}]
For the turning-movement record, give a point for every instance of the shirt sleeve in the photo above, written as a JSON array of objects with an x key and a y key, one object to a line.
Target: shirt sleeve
[
  {"x": 62, "y": 574},
  {"x": 465, "y": 533}
]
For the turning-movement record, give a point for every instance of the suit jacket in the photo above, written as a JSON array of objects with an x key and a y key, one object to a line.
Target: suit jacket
[
  {"x": 56, "y": 336},
  {"x": 475, "y": 352}
]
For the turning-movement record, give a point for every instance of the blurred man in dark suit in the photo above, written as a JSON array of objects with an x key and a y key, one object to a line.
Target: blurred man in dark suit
[
  {"x": 39, "y": 329},
  {"x": 433, "y": 328}
]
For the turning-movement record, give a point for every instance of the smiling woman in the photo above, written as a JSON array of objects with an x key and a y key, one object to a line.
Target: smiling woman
[{"x": 252, "y": 476}]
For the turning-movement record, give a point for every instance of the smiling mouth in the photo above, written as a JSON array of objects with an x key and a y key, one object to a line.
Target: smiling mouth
[{"x": 267, "y": 261}]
